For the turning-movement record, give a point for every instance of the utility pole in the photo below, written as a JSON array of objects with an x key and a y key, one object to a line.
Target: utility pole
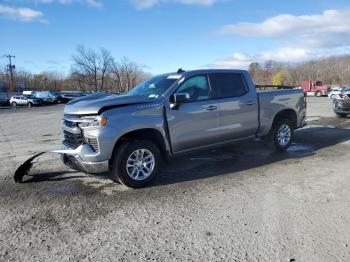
[{"x": 10, "y": 67}]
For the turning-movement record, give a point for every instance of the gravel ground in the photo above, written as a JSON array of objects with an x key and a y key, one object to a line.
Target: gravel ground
[{"x": 239, "y": 203}]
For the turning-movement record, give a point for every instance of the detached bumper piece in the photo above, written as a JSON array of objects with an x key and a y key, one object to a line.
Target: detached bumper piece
[
  {"x": 23, "y": 169},
  {"x": 70, "y": 158}
]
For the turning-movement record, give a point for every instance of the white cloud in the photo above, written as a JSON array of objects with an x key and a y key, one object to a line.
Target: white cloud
[
  {"x": 329, "y": 29},
  {"x": 144, "y": 4},
  {"x": 93, "y": 3},
  {"x": 282, "y": 54},
  {"x": 21, "y": 13},
  {"x": 297, "y": 38},
  {"x": 242, "y": 60}
]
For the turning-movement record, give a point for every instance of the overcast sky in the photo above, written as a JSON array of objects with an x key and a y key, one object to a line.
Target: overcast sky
[{"x": 163, "y": 35}]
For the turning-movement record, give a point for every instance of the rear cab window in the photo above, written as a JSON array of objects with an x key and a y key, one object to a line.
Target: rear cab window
[{"x": 227, "y": 85}]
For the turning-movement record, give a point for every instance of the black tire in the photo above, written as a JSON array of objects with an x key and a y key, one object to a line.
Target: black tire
[
  {"x": 30, "y": 105},
  {"x": 119, "y": 172},
  {"x": 274, "y": 134},
  {"x": 332, "y": 97},
  {"x": 318, "y": 94},
  {"x": 14, "y": 104},
  {"x": 341, "y": 115}
]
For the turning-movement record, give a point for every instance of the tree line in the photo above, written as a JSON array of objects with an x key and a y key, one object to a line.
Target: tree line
[
  {"x": 333, "y": 70},
  {"x": 91, "y": 71},
  {"x": 98, "y": 70}
]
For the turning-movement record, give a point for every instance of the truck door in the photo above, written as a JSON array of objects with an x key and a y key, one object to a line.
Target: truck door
[
  {"x": 195, "y": 122},
  {"x": 238, "y": 105}
]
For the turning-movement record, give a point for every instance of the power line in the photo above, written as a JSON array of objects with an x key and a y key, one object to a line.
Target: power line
[{"x": 10, "y": 67}]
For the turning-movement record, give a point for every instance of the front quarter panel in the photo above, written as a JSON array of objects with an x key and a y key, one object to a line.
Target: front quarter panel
[{"x": 127, "y": 119}]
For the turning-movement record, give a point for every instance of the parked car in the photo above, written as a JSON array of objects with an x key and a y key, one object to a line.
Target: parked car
[
  {"x": 341, "y": 104},
  {"x": 24, "y": 101},
  {"x": 4, "y": 101},
  {"x": 335, "y": 92},
  {"x": 49, "y": 97},
  {"x": 71, "y": 96},
  {"x": 33, "y": 97},
  {"x": 171, "y": 114}
]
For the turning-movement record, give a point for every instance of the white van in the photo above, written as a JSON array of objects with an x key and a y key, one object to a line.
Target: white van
[{"x": 28, "y": 92}]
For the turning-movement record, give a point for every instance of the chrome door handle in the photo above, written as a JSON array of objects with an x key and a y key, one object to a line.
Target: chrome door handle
[
  {"x": 250, "y": 103},
  {"x": 211, "y": 108}
]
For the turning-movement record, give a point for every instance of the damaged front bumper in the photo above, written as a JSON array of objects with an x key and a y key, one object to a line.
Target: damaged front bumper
[
  {"x": 342, "y": 106},
  {"x": 71, "y": 158}
]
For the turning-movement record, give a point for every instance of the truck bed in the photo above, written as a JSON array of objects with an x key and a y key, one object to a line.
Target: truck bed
[{"x": 273, "y": 101}]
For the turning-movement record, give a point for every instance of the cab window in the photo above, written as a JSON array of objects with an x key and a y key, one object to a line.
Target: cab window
[
  {"x": 228, "y": 84},
  {"x": 197, "y": 87}
]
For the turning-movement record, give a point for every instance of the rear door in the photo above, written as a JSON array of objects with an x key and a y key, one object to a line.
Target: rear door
[
  {"x": 23, "y": 100},
  {"x": 194, "y": 123},
  {"x": 238, "y": 105}
]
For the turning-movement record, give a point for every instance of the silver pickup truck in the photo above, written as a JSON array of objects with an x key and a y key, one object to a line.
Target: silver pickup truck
[{"x": 129, "y": 135}]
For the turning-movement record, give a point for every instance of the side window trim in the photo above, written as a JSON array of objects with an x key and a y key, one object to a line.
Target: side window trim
[{"x": 243, "y": 81}]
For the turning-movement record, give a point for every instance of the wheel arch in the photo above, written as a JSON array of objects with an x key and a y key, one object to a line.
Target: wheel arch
[
  {"x": 289, "y": 114},
  {"x": 149, "y": 134}
]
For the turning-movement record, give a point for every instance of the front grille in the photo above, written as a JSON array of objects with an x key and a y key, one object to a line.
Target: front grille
[
  {"x": 93, "y": 143},
  {"x": 72, "y": 140},
  {"x": 345, "y": 104}
]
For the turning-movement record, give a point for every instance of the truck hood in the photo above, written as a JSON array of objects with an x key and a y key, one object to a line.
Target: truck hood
[{"x": 99, "y": 102}]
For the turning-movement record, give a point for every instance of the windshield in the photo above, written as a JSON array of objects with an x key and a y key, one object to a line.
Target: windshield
[{"x": 154, "y": 87}]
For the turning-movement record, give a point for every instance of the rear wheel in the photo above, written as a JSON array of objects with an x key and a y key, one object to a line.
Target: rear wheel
[
  {"x": 136, "y": 163},
  {"x": 14, "y": 104},
  {"x": 281, "y": 134},
  {"x": 30, "y": 105},
  {"x": 318, "y": 94}
]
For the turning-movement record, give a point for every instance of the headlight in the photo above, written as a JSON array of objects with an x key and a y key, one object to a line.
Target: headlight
[{"x": 97, "y": 122}]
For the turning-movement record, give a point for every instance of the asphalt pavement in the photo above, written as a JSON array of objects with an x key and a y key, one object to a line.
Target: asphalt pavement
[{"x": 239, "y": 203}]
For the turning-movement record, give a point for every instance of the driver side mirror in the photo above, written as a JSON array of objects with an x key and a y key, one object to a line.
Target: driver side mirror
[{"x": 179, "y": 98}]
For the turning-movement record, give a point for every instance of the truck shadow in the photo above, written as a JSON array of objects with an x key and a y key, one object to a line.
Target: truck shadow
[
  {"x": 52, "y": 176},
  {"x": 249, "y": 155}
]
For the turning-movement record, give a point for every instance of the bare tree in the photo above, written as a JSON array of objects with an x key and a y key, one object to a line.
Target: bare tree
[
  {"x": 91, "y": 67},
  {"x": 125, "y": 75}
]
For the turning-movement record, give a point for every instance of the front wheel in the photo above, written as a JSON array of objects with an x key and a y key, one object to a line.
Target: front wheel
[
  {"x": 30, "y": 105},
  {"x": 136, "y": 163},
  {"x": 341, "y": 115},
  {"x": 14, "y": 104},
  {"x": 318, "y": 94},
  {"x": 282, "y": 134}
]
